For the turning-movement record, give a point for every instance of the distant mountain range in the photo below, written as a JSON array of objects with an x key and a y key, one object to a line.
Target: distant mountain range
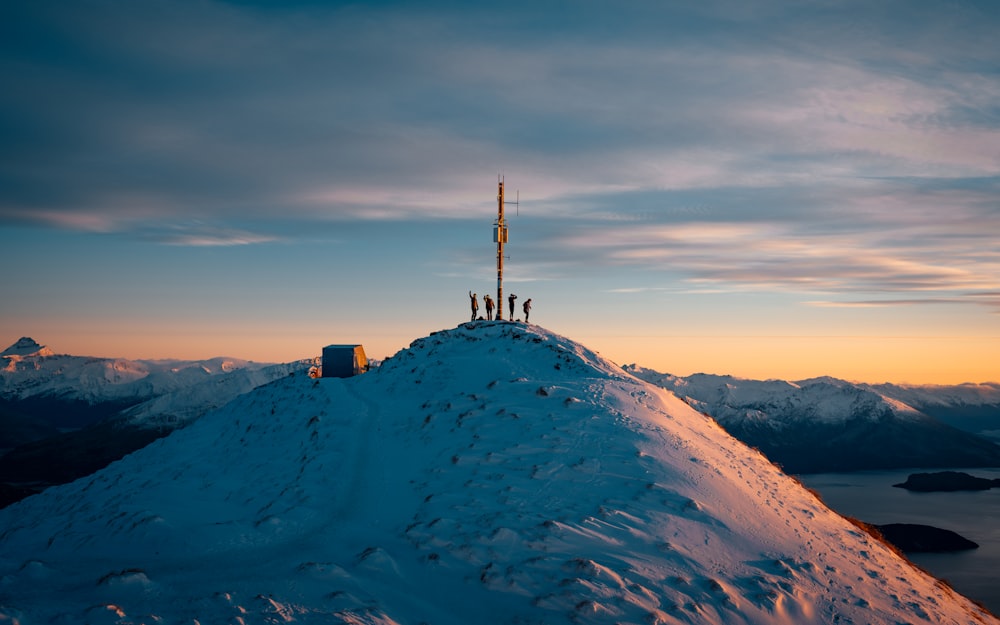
[
  {"x": 829, "y": 425},
  {"x": 63, "y": 417},
  {"x": 970, "y": 407}
]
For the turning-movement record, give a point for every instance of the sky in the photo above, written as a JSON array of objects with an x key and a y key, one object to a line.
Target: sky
[{"x": 763, "y": 189}]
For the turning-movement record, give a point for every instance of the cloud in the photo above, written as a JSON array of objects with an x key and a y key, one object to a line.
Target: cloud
[
  {"x": 991, "y": 301},
  {"x": 204, "y": 235},
  {"x": 194, "y": 102},
  {"x": 885, "y": 236},
  {"x": 818, "y": 150},
  {"x": 883, "y": 303}
]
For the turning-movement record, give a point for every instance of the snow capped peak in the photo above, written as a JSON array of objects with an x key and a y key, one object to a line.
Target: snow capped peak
[
  {"x": 26, "y": 346},
  {"x": 825, "y": 379},
  {"x": 494, "y": 472},
  {"x": 491, "y": 348},
  {"x": 29, "y": 369}
]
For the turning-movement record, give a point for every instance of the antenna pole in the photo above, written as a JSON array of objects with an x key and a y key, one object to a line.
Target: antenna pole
[
  {"x": 500, "y": 238},
  {"x": 500, "y": 234}
]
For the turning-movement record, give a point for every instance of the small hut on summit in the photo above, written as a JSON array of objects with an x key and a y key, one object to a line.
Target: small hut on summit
[{"x": 344, "y": 361}]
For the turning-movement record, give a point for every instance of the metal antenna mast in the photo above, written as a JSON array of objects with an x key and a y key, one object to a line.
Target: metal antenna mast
[{"x": 500, "y": 237}]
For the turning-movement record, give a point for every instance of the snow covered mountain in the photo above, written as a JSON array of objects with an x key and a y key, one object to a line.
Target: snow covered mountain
[
  {"x": 492, "y": 473},
  {"x": 74, "y": 391},
  {"x": 26, "y": 346},
  {"x": 29, "y": 370},
  {"x": 63, "y": 417},
  {"x": 826, "y": 425},
  {"x": 969, "y": 407}
]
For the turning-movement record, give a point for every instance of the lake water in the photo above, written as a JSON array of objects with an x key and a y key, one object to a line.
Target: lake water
[{"x": 870, "y": 497}]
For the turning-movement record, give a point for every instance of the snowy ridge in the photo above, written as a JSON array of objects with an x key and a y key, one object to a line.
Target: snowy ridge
[
  {"x": 824, "y": 424},
  {"x": 494, "y": 473},
  {"x": 29, "y": 370},
  {"x": 971, "y": 407},
  {"x": 777, "y": 402},
  {"x": 958, "y": 395},
  {"x": 181, "y": 406}
]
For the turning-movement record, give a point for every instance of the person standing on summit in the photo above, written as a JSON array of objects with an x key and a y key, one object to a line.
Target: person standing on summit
[
  {"x": 526, "y": 306},
  {"x": 489, "y": 307},
  {"x": 475, "y": 304},
  {"x": 510, "y": 300}
]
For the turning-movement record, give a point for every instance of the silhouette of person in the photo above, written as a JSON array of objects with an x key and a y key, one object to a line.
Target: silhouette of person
[
  {"x": 475, "y": 304},
  {"x": 527, "y": 309},
  {"x": 489, "y": 306},
  {"x": 510, "y": 300}
]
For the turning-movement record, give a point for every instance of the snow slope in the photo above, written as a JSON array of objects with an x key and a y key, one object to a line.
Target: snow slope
[
  {"x": 183, "y": 405},
  {"x": 493, "y": 473},
  {"x": 106, "y": 408}
]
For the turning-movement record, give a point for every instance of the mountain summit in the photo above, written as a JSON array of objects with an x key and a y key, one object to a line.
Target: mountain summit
[
  {"x": 26, "y": 346},
  {"x": 491, "y": 473}
]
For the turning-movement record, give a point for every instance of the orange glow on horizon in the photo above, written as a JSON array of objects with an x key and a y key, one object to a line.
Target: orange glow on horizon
[
  {"x": 872, "y": 359},
  {"x": 875, "y": 359}
]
